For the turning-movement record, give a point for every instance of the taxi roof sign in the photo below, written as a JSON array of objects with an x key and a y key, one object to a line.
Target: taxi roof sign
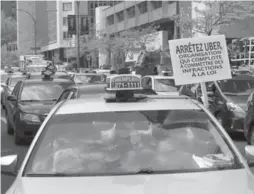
[{"x": 124, "y": 82}]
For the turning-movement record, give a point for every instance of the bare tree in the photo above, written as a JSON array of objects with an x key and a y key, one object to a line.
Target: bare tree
[
  {"x": 9, "y": 57},
  {"x": 8, "y": 29},
  {"x": 212, "y": 14}
]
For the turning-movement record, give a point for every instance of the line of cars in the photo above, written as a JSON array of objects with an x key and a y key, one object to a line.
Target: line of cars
[
  {"x": 28, "y": 98},
  {"x": 126, "y": 141}
]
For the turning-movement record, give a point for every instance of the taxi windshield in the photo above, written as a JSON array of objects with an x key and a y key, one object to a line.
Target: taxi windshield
[
  {"x": 89, "y": 79},
  {"x": 132, "y": 142},
  {"x": 14, "y": 80},
  {"x": 165, "y": 85},
  {"x": 237, "y": 87},
  {"x": 44, "y": 91}
]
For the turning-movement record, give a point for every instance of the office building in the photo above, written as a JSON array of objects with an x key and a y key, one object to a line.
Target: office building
[
  {"x": 130, "y": 14},
  {"x": 9, "y": 8}
]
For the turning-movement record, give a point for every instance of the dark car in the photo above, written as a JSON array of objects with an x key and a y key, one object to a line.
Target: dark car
[
  {"x": 29, "y": 104},
  {"x": 8, "y": 86},
  {"x": 80, "y": 91},
  {"x": 58, "y": 74},
  {"x": 249, "y": 120},
  {"x": 228, "y": 100}
]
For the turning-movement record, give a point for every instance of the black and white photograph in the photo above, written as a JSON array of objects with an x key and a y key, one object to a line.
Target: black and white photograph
[{"x": 132, "y": 97}]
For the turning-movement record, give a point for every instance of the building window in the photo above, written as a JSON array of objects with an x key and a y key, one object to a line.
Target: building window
[
  {"x": 110, "y": 20},
  {"x": 65, "y": 21},
  {"x": 67, "y": 6},
  {"x": 156, "y": 4},
  {"x": 143, "y": 7},
  {"x": 171, "y": 2},
  {"x": 131, "y": 12},
  {"x": 120, "y": 16},
  {"x": 66, "y": 35}
]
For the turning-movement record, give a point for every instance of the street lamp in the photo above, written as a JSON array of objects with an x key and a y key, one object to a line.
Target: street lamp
[
  {"x": 34, "y": 20},
  {"x": 35, "y": 31},
  {"x": 77, "y": 34}
]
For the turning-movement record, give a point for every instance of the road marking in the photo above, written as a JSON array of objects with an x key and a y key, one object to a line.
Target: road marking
[{"x": 3, "y": 120}]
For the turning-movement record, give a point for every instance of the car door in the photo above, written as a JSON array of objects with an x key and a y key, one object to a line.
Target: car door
[{"x": 13, "y": 105}]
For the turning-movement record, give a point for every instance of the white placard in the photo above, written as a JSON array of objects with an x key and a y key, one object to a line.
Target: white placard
[{"x": 200, "y": 59}]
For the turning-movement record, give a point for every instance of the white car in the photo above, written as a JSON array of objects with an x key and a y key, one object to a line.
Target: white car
[
  {"x": 125, "y": 143},
  {"x": 162, "y": 85}
]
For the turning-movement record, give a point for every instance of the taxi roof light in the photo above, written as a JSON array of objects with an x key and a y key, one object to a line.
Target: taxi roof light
[{"x": 123, "y": 87}]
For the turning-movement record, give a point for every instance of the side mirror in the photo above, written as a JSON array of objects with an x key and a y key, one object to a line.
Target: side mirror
[
  {"x": 11, "y": 98},
  {"x": 249, "y": 152},
  {"x": 9, "y": 164}
]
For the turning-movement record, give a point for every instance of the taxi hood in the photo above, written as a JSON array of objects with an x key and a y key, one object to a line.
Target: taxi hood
[
  {"x": 37, "y": 107},
  {"x": 219, "y": 182}
]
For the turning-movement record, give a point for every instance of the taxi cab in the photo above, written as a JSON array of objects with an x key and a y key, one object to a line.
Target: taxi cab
[
  {"x": 30, "y": 102},
  {"x": 161, "y": 84},
  {"x": 131, "y": 143}
]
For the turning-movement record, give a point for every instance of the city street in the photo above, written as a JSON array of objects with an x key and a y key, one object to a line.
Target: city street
[{"x": 8, "y": 146}]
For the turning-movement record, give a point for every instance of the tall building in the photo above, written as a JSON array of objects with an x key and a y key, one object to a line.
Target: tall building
[
  {"x": 33, "y": 23},
  {"x": 130, "y": 14},
  {"x": 9, "y": 8}
]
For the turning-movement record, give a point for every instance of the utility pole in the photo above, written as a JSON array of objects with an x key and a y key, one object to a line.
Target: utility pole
[{"x": 77, "y": 35}]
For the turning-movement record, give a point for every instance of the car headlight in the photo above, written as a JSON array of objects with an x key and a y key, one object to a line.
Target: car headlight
[{"x": 30, "y": 117}]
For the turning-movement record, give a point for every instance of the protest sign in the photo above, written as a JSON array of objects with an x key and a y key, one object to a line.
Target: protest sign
[{"x": 201, "y": 59}]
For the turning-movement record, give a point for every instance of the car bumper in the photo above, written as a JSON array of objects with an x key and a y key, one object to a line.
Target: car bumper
[{"x": 27, "y": 130}]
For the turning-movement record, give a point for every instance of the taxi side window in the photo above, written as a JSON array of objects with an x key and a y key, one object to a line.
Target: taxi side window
[
  {"x": 16, "y": 89},
  {"x": 64, "y": 95},
  {"x": 147, "y": 83}
]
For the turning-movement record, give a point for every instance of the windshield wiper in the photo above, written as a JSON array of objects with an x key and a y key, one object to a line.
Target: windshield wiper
[
  {"x": 30, "y": 100},
  {"x": 51, "y": 99},
  {"x": 145, "y": 171},
  {"x": 58, "y": 174}
]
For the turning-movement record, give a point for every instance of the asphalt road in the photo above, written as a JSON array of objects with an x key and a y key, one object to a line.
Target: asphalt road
[{"x": 8, "y": 146}]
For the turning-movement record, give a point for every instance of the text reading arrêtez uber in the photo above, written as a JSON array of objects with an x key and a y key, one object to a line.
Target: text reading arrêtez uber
[{"x": 200, "y": 47}]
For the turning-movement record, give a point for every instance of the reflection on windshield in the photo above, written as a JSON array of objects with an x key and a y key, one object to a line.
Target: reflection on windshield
[
  {"x": 244, "y": 87},
  {"x": 165, "y": 85},
  {"x": 42, "y": 92},
  {"x": 126, "y": 142},
  {"x": 88, "y": 79}
]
